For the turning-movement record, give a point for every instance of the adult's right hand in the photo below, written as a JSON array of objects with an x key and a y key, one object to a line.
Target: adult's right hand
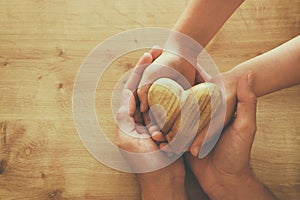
[{"x": 225, "y": 172}]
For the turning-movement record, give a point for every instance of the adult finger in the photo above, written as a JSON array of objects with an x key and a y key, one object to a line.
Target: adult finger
[
  {"x": 124, "y": 121},
  {"x": 244, "y": 123},
  {"x": 207, "y": 135},
  {"x": 144, "y": 61},
  {"x": 152, "y": 127},
  {"x": 133, "y": 103},
  {"x": 133, "y": 82},
  {"x": 134, "y": 79}
]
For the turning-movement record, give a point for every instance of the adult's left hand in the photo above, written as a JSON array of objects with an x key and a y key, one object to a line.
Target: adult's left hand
[{"x": 133, "y": 136}]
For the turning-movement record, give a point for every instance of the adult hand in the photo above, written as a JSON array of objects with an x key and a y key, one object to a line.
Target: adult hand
[
  {"x": 225, "y": 173},
  {"x": 230, "y": 86},
  {"x": 166, "y": 183}
]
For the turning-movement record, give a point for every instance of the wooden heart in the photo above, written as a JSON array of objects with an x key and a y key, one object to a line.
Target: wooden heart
[{"x": 172, "y": 106}]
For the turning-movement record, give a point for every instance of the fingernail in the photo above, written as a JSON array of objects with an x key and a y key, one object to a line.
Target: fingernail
[
  {"x": 195, "y": 151},
  {"x": 250, "y": 79},
  {"x": 146, "y": 54}
]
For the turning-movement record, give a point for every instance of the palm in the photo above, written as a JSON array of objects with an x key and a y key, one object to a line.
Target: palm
[{"x": 221, "y": 163}]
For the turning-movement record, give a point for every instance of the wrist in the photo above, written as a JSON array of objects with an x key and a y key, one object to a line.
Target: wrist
[
  {"x": 223, "y": 187},
  {"x": 165, "y": 187},
  {"x": 184, "y": 70},
  {"x": 244, "y": 188},
  {"x": 230, "y": 81},
  {"x": 252, "y": 189},
  {"x": 183, "y": 46},
  {"x": 160, "y": 179},
  {"x": 166, "y": 183}
]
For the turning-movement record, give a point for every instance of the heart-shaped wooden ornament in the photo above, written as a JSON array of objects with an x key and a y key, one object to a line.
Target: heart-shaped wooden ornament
[{"x": 176, "y": 110}]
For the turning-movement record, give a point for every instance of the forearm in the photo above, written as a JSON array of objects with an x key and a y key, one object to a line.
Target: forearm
[
  {"x": 202, "y": 19},
  {"x": 166, "y": 184},
  {"x": 197, "y": 25},
  {"x": 251, "y": 189},
  {"x": 274, "y": 70},
  {"x": 161, "y": 189}
]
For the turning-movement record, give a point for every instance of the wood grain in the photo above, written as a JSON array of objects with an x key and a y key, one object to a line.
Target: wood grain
[{"x": 43, "y": 43}]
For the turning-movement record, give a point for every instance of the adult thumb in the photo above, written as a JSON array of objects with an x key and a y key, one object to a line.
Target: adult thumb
[{"x": 245, "y": 120}]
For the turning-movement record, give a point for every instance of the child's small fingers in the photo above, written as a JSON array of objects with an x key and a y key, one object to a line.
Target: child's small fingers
[
  {"x": 134, "y": 79},
  {"x": 158, "y": 136},
  {"x": 209, "y": 134},
  {"x": 133, "y": 104},
  {"x": 156, "y": 51}
]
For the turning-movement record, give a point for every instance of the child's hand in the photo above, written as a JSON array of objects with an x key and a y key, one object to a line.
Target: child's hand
[
  {"x": 167, "y": 65},
  {"x": 154, "y": 71}
]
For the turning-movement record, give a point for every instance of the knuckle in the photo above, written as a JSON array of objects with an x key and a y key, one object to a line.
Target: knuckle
[
  {"x": 139, "y": 70},
  {"x": 252, "y": 98}
]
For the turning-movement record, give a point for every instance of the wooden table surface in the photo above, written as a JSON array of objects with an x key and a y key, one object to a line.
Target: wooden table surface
[{"x": 42, "y": 45}]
